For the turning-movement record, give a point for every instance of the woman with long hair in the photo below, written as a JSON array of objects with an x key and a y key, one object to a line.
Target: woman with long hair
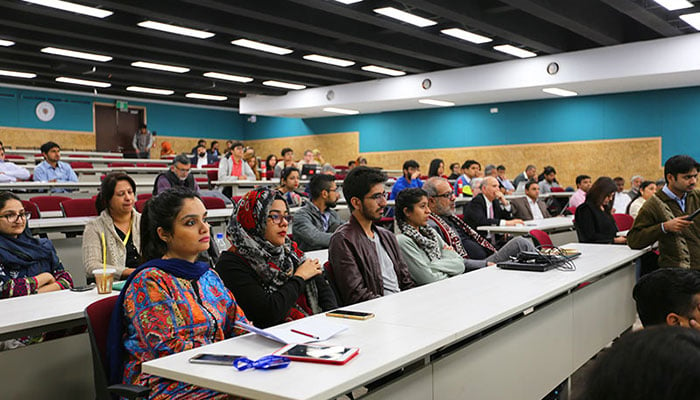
[
  {"x": 646, "y": 190},
  {"x": 253, "y": 164},
  {"x": 437, "y": 168},
  {"x": 594, "y": 219},
  {"x": 289, "y": 182}
]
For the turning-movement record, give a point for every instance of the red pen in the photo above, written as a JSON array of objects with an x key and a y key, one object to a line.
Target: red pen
[{"x": 305, "y": 334}]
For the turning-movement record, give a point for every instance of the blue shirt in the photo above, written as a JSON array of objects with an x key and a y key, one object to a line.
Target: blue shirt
[
  {"x": 461, "y": 183},
  {"x": 679, "y": 200},
  {"x": 63, "y": 172},
  {"x": 402, "y": 184}
]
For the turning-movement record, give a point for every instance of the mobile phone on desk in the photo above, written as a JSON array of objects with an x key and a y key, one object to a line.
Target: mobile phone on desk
[
  {"x": 350, "y": 314},
  {"x": 214, "y": 359},
  {"x": 82, "y": 288},
  {"x": 693, "y": 215}
]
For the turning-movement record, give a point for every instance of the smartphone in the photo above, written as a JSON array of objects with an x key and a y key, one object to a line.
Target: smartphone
[
  {"x": 693, "y": 215},
  {"x": 337, "y": 355},
  {"x": 350, "y": 314},
  {"x": 215, "y": 359},
  {"x": 83, "y": 288}
]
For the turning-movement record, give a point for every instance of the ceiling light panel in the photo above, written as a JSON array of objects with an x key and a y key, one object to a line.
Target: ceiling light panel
[
  {"x": 284, "y": 85},
  {"x": 141, "y": 89},
  {"x": 228, "y": 77},
  {"x": 465, "y": 35},
  {"x": 72, "y": 7},
  {"x": 692, "y": 20},
  {"x": 329, "y": 60},
  {"x": 178, "y": 30},
  {"x": 672, "y": 5},
  {"x": 76, "y": 54},
  {"x": 559, "y": 92},
  {"x": 403, "y": 16},
  {"x": 83, "y": 82},
  {"x": 514, "y": 51},
  {"x": 268, "y": 48},
  {"x": 202, "y": 96},
  {"x": 17, "y": 74},
  {"x": 6, "y": 43},
  {"x": 344, "y": 111},
  {"x": 160, "y": 67},
  {"x": 348, "y": 1},
  {"x": 382, "y": 70},
  {"x": 433, "y": 102}
]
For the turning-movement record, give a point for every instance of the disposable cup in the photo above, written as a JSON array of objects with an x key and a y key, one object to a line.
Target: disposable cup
[{"x": 104, "y": 280}]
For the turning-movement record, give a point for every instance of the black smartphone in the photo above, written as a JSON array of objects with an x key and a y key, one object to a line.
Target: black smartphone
[
  {"x": 215, "y": 359},
  {"x": 693, "y": 215},
  {"x": 83, "y": 288}
]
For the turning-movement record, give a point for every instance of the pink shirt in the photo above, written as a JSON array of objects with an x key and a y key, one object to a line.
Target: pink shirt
[
  {"x": 577, "y": 198},
  {"x": 236, "y": 168}
]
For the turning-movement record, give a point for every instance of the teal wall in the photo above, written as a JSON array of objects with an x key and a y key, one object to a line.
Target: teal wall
[
  {"x": 74, "y": 113},
  {"x": 672, "y": 114}
]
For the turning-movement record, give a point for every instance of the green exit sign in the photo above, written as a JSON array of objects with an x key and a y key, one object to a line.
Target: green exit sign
[{"x": 122, "y": 105}]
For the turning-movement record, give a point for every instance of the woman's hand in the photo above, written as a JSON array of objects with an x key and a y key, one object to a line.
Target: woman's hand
[
  {"x": 620, "y": 240},
  {"x": 309, "y": 269},
  {"x": 44, "y": 279}
]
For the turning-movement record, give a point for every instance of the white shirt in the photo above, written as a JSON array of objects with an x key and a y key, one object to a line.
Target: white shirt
[
  {"x": 534, "y": 208},
  {"x": 10, "y": 172},
  {"x": 621, "y": 202},
  {"x": 201, "y": 161}
]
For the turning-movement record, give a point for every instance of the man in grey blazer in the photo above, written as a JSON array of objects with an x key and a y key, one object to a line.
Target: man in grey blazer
[{"x": 531, "y": 206}]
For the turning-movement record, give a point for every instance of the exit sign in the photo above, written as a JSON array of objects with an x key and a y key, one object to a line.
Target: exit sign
[{"x": 122, "y": 105}]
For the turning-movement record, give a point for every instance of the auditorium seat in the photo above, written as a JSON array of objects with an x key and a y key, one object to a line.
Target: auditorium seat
[
  {"x": 120, "y": 164},
  {"x": 113, "y": 157},
  {"x": 211, "y": 177},
  {"x": 542, "y": 238},
  {"x": 140, "y": 204},
  {"x": 212, "y": 165},
  {"x": 80, "y": 164},
  {"x": 48, "y": 203},
  {"x": 213, "y": 203},
  {"x": 150, "y": 165},
  {"x": 144, "y": 196},
  {"x": 31, "y": 208},
  {"x": 556, "y": 189},
  {"x": 202, "y": 182},
  {"x": 624, "y": 222},
  {"x": 14, "y": 157},
  {"x": 77, "y": 155},
  {"x": 79, "y": 208}
]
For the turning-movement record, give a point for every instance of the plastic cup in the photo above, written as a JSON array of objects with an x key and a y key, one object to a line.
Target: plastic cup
[{"x": 104, "y": 280}]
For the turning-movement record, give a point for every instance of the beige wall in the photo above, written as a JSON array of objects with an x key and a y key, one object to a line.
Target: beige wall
[
  {"x": 336, "y": 148},
  {"x": 34, "y": 138}
]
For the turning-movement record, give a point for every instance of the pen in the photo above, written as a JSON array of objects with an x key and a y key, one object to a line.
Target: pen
[{"x": 305, "y": 334}]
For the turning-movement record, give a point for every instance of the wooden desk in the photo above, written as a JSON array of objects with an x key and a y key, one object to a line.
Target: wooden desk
[{"x": 491, "y": 333}]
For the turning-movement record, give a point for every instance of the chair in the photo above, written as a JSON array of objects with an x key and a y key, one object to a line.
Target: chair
[
  {"x": 542, "y": 238},
  {"x": 624, "y": 222},
  {"x": 120, "y": 164},
  {"x": 213, "y": 203},
  {"x": 79, "y": 208},
  {"x": 140, "y": 205},
  {"x": 557, "y": 189},
  {"x": 31, "y": 208},
  {"x": 48, "y": 203},
  {"x": 80, "y": 164},
  {"x": 149, "y": 165},
  {"x": 14, "y": 157},
  {"x": 79, "y": 156},
  {"x": 144, "y": 196},
  {"x": 387, "y": 223},
  {"x": 212, "y": 175},
  {"x": 270, "y": 174},
  {"x": 114, "y": 157},
  {"x": 98, "y": 315},
  {"x": 202, "y": 182},
  {"x": 571, "y": 210},
  {"x": 212, "y": 165}
]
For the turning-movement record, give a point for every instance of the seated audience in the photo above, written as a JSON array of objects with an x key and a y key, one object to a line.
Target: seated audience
[
  {"x": 232, "y": 167},
  {"x": 437, "y": 168},
  {"x": 248, "y": 151},
  {"x": 119, "y": 222},
  {"x": 52, "y": 169},
  {"x": 213, "y": 151},
  {"x": 270, "y": 163},
  {"x": 351, "y": 164},
  {"x": 531, "y": 206},
  {"x": 289, "y": 182},
  {"x": 171, "y": 303},
  {"x": 307, "y": 160},
  {"x": 635, "y": 183},
  {"x": 663, "y": 217},
  {"x": 318, "y": 157},
  {"x": 661, "y": 363},
  {"x": 583, "y": 185},
  {"x": 365, "y": 258},
  {"x": 286, "y": 161},
  {"x": 9, "y": 171},
  {"x": 470, "y": 170},
  {"x": 526, "y": 176},
  {"x": 316, "y": 221},
  {"x": 490, "y": 207},
  {"x": 27, "y": 265},
  {"x": 361, "y": 161},
  {"x": 669, "y": 296},
  {"x": 549, "y": 180},
  {"x": 201, "y": 157},
  {"x": 454, "y": 168},
  {"x": 594, "y": 220},
  {"x": 476, "y": 251},
  {"x": 166, "y": 149},
  {"x": 200, "y": 142},
  {"x": 271, "y": 278},
  {"x": 503, "y": 181},
  {"x": 177, "y": 176},
  {"x": 622, "y": 200},
  {"x": 645, "y": 191},
  {"x": 428, "y": 258},
  {"x": 252, "y": 162},
  {"x": 410, "y": 178}
]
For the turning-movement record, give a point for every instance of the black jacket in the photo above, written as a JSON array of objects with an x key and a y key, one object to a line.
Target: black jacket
[
  {"x": 593, "y": 225},
  {"x": 475, "y": 212}
]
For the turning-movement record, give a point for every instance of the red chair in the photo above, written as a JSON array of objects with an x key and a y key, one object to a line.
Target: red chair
[
  {"x": 623, "y": 221},
  {"x": 212, "y": 176},
  {"x": 98, "y": 315},
  {"x": 556, "y": 189},
  {"x": 202, "y": 182},
  {"x": 14, "y": 157},
  {"x": 80, "y": 164},
  {"x": 149, "y": 165},
  {"x": 571, "y": 209},
  {"x": 114, "y": 157},
  {"x": 545, "y": 242},
  {"x": 212, "y": 165},
  {"x": 213, "y": 203},
  {"x": 79, "y": 208},
  {"x": 270, "y": 174},
  {"x": 31, "y": 208},
  {"x": 144, "y": 196},
  {"x": 387, "y": 223},
  {"x": 120, "y": 164},
  {"x": 78, "y": 156},
  {"x": 48, "y": 203},
  {"x": 140, "y": 205}
]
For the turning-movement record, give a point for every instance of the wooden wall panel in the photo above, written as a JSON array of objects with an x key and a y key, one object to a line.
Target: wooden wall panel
[
  {"x": 34, "y": 138},
  {"x": 336, "y": 148}
]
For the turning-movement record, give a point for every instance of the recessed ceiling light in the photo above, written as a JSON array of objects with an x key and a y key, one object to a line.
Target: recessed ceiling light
[
  {"x": 382, "y": 70},
  {"x": 340, "y": 111},
  {"x": 441, "y": 103},
  {"x": 692, "y": 20},
  {"x": 405, "y": 17},
  {"x": 348, "y": 1},
  {"x": 15, "y": 74},
  {"x": 205, "y": 96},
  {"x": 268, "y": 48},
  {"x": 514, "y": 51},
  {"x": 164, "y": 92},
  {"x": 329, "y": 60},
  {"x": 72, "y": 7},
  {"x": 464, "y": 35},
  {"x": 559, "y": 92},
  {"x": 284, "y": 85},
  {"x": 179, "y": 30},
  {"x": 6, "y": 43},
  {"x": 83, "y": 82},
  {"x": 76, "y": 54},
  {"x": 160, "y": 67},
  {"x": 672, "y": 5},
  {"x": 227, "y": 77}
]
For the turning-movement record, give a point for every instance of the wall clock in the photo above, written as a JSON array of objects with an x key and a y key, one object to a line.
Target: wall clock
[{"x": 45, "y": 111}]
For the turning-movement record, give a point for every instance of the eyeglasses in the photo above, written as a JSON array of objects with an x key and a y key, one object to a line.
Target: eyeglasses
[
  {"x": 445, "y": 195},
  {"x": 277, "y": 218},
  {"x": 378, "y": 196},
  {"x": 16, "y": 217}
]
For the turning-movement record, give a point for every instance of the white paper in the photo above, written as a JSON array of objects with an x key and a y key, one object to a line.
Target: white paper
[{"x": 318, "y": 327}]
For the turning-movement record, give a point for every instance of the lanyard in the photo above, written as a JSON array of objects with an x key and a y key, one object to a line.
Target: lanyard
[{"x": 128, "y": 234}]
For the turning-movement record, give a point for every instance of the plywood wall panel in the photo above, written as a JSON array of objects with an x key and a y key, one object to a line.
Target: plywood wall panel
[
  {"x": 336, "y": 148},
  {"x": 34, "y": 138}
]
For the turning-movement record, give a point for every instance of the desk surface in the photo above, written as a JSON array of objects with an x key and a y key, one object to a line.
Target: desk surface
[
  {"x": 408, "y": 326},
  {"x": 547, "y": 225},
  {"x": 65, "y": 153}
]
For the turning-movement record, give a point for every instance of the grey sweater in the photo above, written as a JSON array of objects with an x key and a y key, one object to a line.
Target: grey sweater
[{"x": 116, "y": 251}]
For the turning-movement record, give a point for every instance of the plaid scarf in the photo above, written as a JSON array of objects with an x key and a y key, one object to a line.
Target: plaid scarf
[
  {"x": 453, "y": 237},
  {"x": 426, "y": 238}
]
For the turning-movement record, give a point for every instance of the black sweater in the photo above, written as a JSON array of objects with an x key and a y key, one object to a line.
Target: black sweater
[
  {"x": 262, "y": 308},
  {"x": 593, "y": 225}
]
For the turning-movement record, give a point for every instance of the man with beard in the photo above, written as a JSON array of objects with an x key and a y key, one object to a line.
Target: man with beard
[
  {"x": 316, "y": 221},
  {"x": 365, "y": 259},
  {"x": 662, "y": 218},
  {"x": 411, "y": 172}
]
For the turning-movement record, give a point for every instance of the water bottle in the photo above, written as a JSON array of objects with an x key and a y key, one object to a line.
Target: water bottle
[{"x": 221, "y": 243}]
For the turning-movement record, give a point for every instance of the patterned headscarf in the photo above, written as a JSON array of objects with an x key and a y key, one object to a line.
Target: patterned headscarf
[
  {"x": 275, "y": 265},
  {"x": 426, "y": 238}
]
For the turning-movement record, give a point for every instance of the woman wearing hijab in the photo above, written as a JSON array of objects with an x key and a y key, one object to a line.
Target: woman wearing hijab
[
  {"x": 171, "y": 303},
  {"x": 428, "y": 258},
  {"x": 27, "y": 265},
  {"x": 271, "y": 278}
]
